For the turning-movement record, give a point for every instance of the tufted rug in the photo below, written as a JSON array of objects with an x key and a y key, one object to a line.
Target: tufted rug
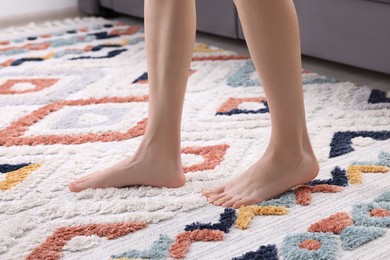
[{"x": 73, "y": 100}]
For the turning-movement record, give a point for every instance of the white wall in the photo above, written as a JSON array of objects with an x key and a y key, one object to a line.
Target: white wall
[{"x": 18, "y": 8}]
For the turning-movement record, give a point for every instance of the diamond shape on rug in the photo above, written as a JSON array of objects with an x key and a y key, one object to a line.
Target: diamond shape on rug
[
  {"x": 353, "y": 237},
  {"x": 20, "y": 86},
  {"x": 300, "y": 246},
  {"x": 14, "y": 134},
  {"x": 213, "y": 156},
  {"x": 66, "y": 82},
  {"x": 363, "y": 214},
  {"x": 92, "y": 118}
]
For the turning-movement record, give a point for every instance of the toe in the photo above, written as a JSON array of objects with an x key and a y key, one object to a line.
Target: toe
[
  {"x": 74, "y": 187},
  {"x": 230, "y": 202},
  {"x": 82, "y": 179},
  {"x": 80, "y": 184},
  {"x": 214, "y": 191},
  {"x": 222, "y": 200},
  {"x": 213, "y": 198},
  {"x": 206, "y": 192},
  {"x": 243, "y": 202}
]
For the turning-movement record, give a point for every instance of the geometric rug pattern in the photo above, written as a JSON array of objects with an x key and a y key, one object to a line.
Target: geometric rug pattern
[{"x": 73, "y": 100}]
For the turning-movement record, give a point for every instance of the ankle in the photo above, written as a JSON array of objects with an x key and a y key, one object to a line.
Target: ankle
[
  {"x": 293, "y": 150},
  {"x": 161, "y": 146},
  {"x": 162, "y": 133},
  {"x": 293, "y": 158}
]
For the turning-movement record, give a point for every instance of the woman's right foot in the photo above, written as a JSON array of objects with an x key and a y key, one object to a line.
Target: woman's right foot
[{"x": 151, "y": 165}]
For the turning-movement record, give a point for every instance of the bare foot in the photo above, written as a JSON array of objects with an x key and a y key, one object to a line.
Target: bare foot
[
  {"x": 269, "y": 177},
  {"x": 151, "y": 165}
]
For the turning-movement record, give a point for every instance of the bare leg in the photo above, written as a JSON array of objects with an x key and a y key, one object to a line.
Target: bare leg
[
  {"x": 272, "y": 34},
  {"x": 170, "y": 29}
]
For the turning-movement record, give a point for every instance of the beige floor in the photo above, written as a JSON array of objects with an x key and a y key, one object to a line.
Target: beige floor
[{"x": 360, "y": 77}]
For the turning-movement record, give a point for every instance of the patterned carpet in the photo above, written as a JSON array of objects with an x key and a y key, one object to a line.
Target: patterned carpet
[{"x": 73, "y": 99}]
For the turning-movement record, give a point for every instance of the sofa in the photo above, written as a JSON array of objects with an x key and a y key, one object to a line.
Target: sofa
[{"x": 353, "y": 32}]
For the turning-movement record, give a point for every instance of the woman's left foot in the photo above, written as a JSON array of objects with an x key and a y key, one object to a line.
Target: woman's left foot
[{"x": 272, "y": 175}]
